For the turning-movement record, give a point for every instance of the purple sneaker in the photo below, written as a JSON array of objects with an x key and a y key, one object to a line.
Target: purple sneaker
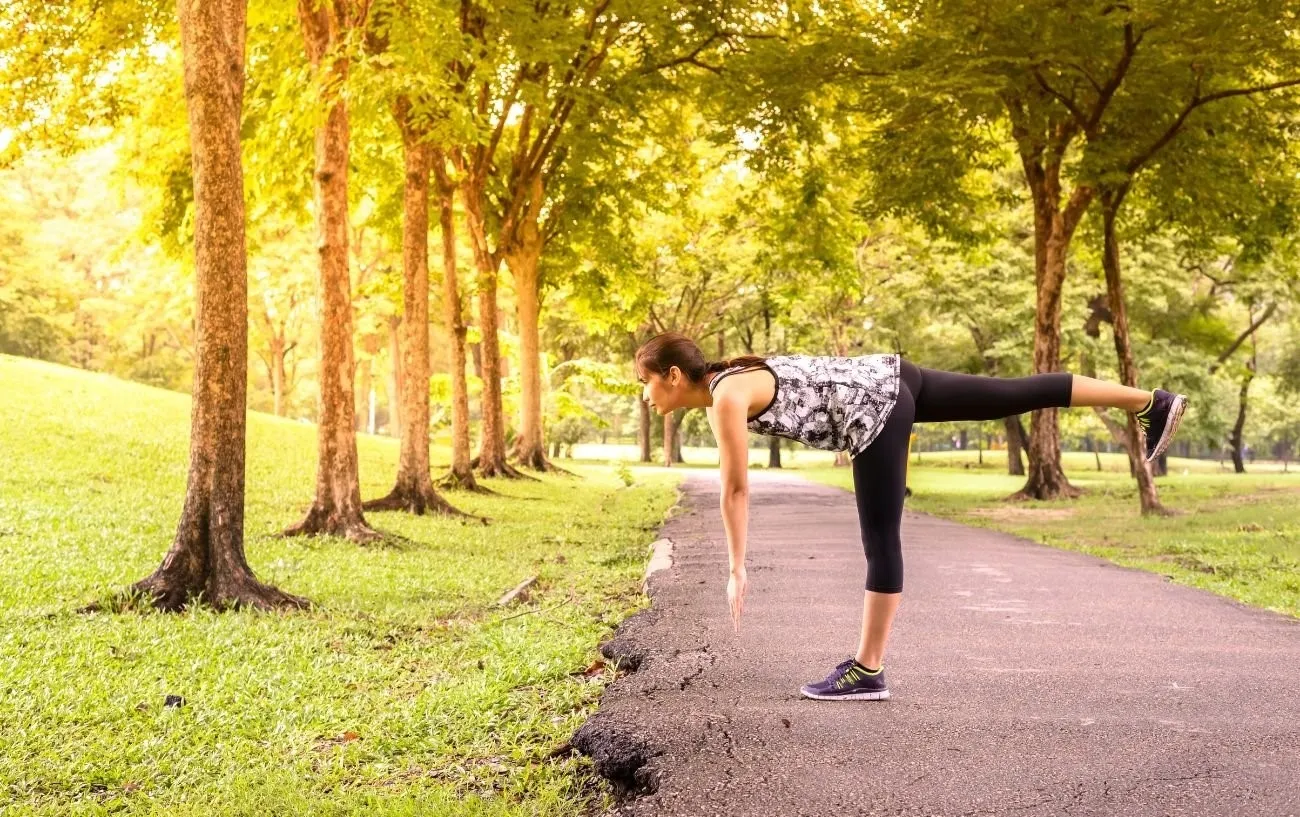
[{"x": 849, "y": 681}]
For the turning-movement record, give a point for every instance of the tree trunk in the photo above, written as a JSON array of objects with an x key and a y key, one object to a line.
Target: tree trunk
[
  {"x": 1015, "y": 444},
  {"x": 1148, "y": 497},
  {"x": 523, "y": 257},
  {"x": 668, "y": 440},
  {"x": 773, "y": 452},
  {"x": 1053, "y": 229},
  {"x": 396, "y": 411},
  {"x": 461, "y": 475},
  {"x": 337, "y": 507},
  {"x": 643, "y": 429},
  {"x": 491, "y": 459},
  {"x": 677, "y": 418},
  {"x": 1238, "y": 461},
  {"x": 1046, "y": 479},
  {"x": 206, "y": 559},
  {"x": 361, "y": 413},
  {"x": 277, "y": 374},
  {"x": 414, "y": 490}
]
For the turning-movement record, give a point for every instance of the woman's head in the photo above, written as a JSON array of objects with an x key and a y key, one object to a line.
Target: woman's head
[{"x": 672, "y": 367}]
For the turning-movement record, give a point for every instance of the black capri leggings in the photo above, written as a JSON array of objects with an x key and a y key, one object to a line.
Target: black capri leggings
[{"x": 930, "y": 396}]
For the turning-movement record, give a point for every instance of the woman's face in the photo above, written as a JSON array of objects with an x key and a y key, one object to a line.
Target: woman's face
[{"x": 661, "y": 391}]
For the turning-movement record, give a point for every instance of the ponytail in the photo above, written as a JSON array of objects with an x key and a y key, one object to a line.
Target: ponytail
[{"x": 723, "y": 365}]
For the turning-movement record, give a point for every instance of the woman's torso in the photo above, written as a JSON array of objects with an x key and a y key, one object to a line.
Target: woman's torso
[{"x": 827, "y": 402}]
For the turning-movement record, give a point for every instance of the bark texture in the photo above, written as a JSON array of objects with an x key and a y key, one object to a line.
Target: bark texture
[
  {"x": 523, "y": 257},
  {"x": 1148, "y": 497},
  {"x": 643, "y": 429},
  {"x": 1054, "y": 226},
  {"x": 414, "y": 491},
  {"x": 206, "y": 560},
  {"x": 491, "y": 459},
  {"x": 461, "y": 475},
  {"x": 337, "y": 507}
]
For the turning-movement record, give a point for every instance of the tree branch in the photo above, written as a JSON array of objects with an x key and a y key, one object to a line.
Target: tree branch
[
  {"x": 1108, "y": 91},
  {"x": 1192, "y": 104},
  {"x": 1249, "y": 333},
  {"x": 1064, "y": 100}
]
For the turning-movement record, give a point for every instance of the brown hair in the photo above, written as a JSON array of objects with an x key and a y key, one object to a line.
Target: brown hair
[{"x": 662, "y": 352}]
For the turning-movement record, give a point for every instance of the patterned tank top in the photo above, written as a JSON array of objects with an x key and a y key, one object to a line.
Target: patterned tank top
[{"x": 831, "y": 403}]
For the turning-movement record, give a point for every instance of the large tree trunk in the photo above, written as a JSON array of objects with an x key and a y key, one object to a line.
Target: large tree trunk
[
  {"x": 1147, "y": 495},
  {"x": 337, "y": 507},
  {"x": 643, "y": 429},
  {"x": 461, "y": 475},
  {"x": 1046, "y": 478},
  {"x": 1053, "y": 229},
  {"x": 414, "y": 490},
  {"x": 523, "y": 260},
  {"x": 773, "y": 452},
  {"x": 491, "y": 459},
  {"x": 206, "y": 559}
]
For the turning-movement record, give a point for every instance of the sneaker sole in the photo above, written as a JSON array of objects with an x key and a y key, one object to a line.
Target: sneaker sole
[
  {"x": 1171, "y": 426},
  {"x": 882, "y": 695}
]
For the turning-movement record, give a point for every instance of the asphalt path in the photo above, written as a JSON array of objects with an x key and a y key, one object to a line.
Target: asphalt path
[{"x": 1026, "y": 680}]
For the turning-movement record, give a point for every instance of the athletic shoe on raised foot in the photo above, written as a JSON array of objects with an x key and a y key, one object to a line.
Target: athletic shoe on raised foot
[
  {"x": 849, "y": 681},
  {"x": 1160, "y": 420}
]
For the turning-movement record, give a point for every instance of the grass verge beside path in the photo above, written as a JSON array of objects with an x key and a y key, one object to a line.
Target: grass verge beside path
[
  {"x": 405, "y": 692},
  {"x": 1237, "y": 534}
]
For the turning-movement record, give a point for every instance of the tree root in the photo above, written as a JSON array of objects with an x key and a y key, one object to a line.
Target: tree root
[
  {"x": 169, "y": 593},
  {"x": 420, "y": 501},
  {"x": 452, "y": 481},
  {"x": 499, "y": 469},
  {"x": 320, "y": 521}
]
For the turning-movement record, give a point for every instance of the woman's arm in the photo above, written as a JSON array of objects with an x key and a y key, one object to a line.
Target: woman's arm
[{"x": 728, "y": 420}]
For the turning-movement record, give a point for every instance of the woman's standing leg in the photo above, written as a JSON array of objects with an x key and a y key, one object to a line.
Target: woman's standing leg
[{"x": 879, "y": 483}]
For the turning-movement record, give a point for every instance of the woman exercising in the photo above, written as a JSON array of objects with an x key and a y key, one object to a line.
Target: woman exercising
[{"x": 865, "y": 405}]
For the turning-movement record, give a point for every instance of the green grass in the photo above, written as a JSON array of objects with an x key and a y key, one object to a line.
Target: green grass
[
  {"x": 405, "y": 691},
  {"x": 1235, "y": 534}
]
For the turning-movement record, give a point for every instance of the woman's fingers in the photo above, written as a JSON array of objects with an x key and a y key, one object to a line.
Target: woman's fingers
[{"x": 737, "y": 603}]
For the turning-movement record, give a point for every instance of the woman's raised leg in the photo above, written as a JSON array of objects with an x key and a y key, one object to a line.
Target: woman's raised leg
[{"x": 948, "y": 396}]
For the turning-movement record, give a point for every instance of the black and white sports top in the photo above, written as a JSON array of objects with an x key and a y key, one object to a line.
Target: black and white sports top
[{"x": 832, "y": 403}]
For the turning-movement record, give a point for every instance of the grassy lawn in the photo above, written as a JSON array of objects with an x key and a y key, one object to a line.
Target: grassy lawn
[
  {"x": 406, "y": 691},
  {"x": 1235, "y": 534}
]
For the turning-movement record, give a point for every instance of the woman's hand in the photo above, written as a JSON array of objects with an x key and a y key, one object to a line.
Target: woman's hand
[{"x": 736, "y": 595}]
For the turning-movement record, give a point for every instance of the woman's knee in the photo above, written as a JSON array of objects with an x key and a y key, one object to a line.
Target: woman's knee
[{"x": 885, "y": 565}]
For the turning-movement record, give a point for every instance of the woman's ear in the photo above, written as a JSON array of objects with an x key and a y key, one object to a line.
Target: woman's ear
[{"x": 674, "y": 375}]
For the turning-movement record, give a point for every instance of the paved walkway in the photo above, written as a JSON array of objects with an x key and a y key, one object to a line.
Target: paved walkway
[{"x": 1026, "y": 680}]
